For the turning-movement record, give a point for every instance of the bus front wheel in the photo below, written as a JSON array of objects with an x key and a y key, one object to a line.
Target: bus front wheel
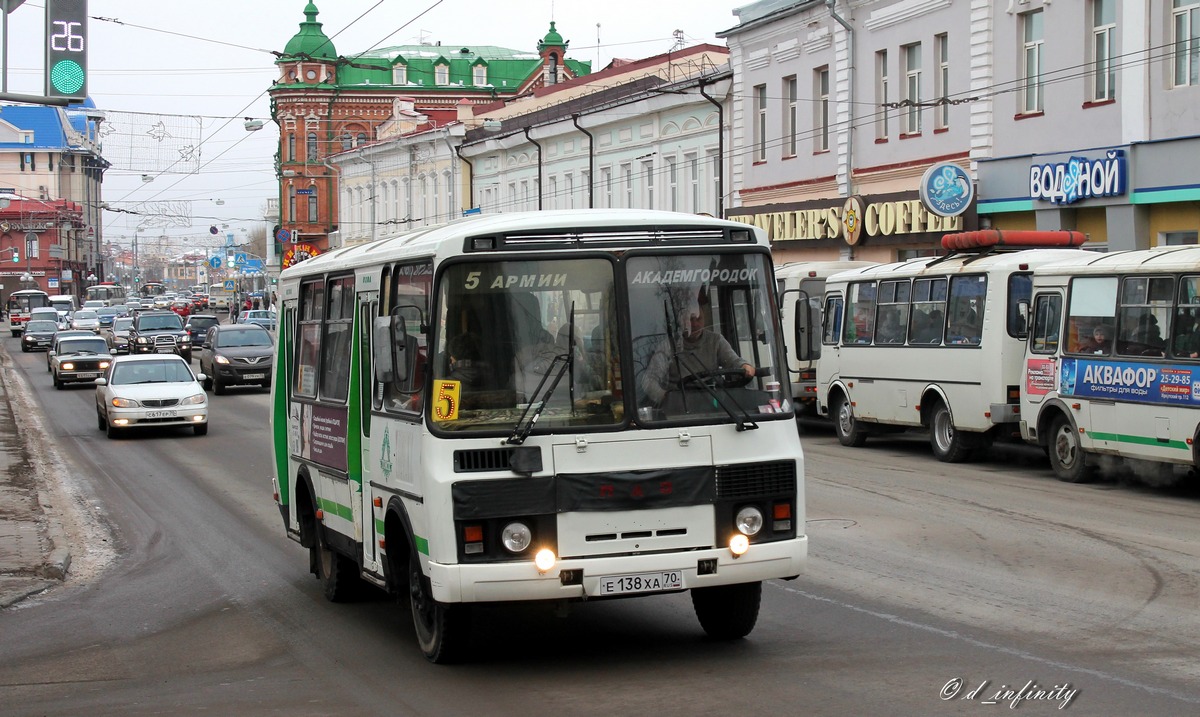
[
  {"x": 727, "y": 612},
  {"x": 949, "y": 444},
  {"x": 442, "y": 630},
  {"x": 849, "y": 432},
  {"x": 1066, "y": 455}
]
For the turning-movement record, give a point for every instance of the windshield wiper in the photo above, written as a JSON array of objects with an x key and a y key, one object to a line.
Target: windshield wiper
[
  {"x": 533, "y": 409},
  {"x": 744, "y": 422}
]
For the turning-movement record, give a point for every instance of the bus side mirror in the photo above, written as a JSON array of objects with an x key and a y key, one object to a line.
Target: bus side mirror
[
  {"x": 803, "y": 337},
  {"x": 381, "y": 350},
  {"x": 1024, "y": 317}
]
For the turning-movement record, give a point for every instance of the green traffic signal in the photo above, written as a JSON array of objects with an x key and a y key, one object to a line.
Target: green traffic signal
[{"x": 66, "y": 49}]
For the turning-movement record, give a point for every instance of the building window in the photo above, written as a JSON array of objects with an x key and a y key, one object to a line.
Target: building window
[
  {"x": 553, "y": 187},
  {"x": 362, "y": 139},
  {"x": 1178, "y": 238},
  {"x": 399, "y": 75},
  {"x": 648, "y": 173},
  {"x": 1031, "y": 70},
  {"x": 441, "y": 75},
  {"x": 479, "y": 75},
  {"x": 312, "y": 205},
  {"x": 606, "y": 185},
  {"x": 292, "y": 204},
  {"x": 912, "y": 88},
  {"x": 714, "y": 161},
  {"x": 760, "y": 123},
  {"x": 821, "y": 109},
  {"x": 569, "y": 190},
  {"x": 693, "y": 169},
  {"x": 310, "y": 149},
  {"x": 672, "y": 185},
  {"x": 1185, "y": 19},
  {"x": 882, "y": 98},
  {"x": 1104, "y": 23},
  {"x": 941, "y": 48},
  {"x": 347, "y": 141},
  {"x": 291, "y": 148},
  {"x": 627, "y": 184},
  {"x": 789, "y": 117}
]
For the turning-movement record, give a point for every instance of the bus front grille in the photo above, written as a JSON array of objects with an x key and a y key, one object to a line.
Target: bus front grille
[{"x": 744, "y": 480}]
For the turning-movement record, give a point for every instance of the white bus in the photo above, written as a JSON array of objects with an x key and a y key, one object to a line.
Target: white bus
[
  {"x": 20, "y": 303},
  {"x": 1113, "y": 363},
  {"x": 934, "y": 342},
  {"x": 468, "y": 414},
  {"x": 801, "y": 287},
  {"x": 110, "y": 294}
]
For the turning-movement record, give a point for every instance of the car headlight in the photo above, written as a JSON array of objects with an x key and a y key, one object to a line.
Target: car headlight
[
  {"x": 124, "y": 402},
  {"x": 68, "y": 366},
  {"x": 220, "y": 359},
  {"x": 103, "y": 364},
  {"x": 193, "y": 400},
  {"x": 142, "y": 340}
]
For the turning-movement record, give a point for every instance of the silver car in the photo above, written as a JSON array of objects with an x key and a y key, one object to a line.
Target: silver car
[
  {"x": 86, "y": 320},
  {"x": 83, "y": 358},
  {"x": 150, "y": 390}
]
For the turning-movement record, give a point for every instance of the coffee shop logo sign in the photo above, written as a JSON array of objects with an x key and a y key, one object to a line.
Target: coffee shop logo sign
[{"x": 1079, "y": 178}]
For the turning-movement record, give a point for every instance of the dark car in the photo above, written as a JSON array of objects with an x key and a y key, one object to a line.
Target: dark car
[
  {"x": 108, "y": 313},
  {"x": 198, "y": 325},
  {"x": 236, "y": 354},
  {"x": 117, "y": 335},
  {"x": 159, "y": 332},
  {"x": 38, "y": 334}
]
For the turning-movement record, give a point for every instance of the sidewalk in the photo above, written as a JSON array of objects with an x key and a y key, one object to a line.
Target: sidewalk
[{"x": 32, "y": 556}]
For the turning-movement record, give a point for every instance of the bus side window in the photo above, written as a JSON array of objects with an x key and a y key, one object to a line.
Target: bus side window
[
  {"x": 1047, "y": 314},
  {"x": 832, "y": 327}
]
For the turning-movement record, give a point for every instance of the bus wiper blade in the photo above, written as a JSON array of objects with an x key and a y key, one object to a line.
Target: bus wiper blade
[
  {"x": 533, "y": 409},
  {"x": 744, "y": 422}
]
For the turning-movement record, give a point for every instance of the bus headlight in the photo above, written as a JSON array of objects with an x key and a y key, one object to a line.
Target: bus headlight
[
  {"x": 738, "y": 545},
  {"x": 516, "y": 537},
  {"x": 544, "y": 560},
  {"x": 749, "y": 520}
]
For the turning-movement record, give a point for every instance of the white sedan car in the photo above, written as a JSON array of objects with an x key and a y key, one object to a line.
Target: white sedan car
[
  {"x": 147, "y": 390},
  {"x": 87, "y": 320}
]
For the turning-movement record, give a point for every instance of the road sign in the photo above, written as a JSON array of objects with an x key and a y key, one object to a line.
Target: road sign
[
  {"x": 283, "y": 235},
  {"x": 239, "y": 259},
  {"x": 229, "y": 285},
  {"x": 215, "y": 262},
  {"x": 254, "y": 265}
]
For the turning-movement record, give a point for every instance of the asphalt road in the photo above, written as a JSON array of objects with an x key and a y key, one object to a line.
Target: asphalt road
[{"x": 926, "y": 581}]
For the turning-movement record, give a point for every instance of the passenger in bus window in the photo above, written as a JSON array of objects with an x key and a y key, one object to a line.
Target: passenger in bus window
[
  {"x": 1101, "y": 341},
  {"x": 1147, "y": 331},
  {"x": 1187, "y": 336},
  {"x": 890, "y": 331}
]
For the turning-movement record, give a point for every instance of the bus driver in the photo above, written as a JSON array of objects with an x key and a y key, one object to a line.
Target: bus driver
[{"x": 701, "y": 350}]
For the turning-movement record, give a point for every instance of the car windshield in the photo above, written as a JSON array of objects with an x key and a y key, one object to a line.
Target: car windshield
[
  {"x": 82, "y": 315},
  {"x": 74, "y": 346},
  {"x": 122, "y": 323},
  {"x": 160, "y": 321},
  {"x": 41, "y": 326},
  {"x": 137, "y": 372},
  {"x": 229, "y": 339}
]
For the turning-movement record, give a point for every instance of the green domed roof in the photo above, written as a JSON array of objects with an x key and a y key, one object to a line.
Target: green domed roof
[
  {"x": 552, "y": 39},
  {"x": 310, "y": 40}
]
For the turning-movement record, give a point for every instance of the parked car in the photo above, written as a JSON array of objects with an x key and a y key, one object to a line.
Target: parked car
[
  {"x": 236, "y": 354},
  {"x": 117, "y": 335},
  {"x": 198, "y": 325},
  {"x": 149, "y": 390},
  {"x": 86, "y": 319},
  {"x": 159, "y": 332},
  {"x": 80, "y": 358},
  {"x": 38, "y": 334},
  {"x": 261, "y": 317}
]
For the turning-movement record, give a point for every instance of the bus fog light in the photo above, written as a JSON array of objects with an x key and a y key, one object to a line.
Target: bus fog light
[
  {"x": 738, "y": 545},
  {"x": 516, "y": 537},
  {"x": 749, "y": 520},
  {"x": 544, "y": 560}
]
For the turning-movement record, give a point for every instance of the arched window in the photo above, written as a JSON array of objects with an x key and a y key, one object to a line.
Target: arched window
[
  {"x": 362, "y": 138},
  {"x": 311, "y": 148},
  {"x": 347, "y": 142},
  {"x": 553, "y": 79}
]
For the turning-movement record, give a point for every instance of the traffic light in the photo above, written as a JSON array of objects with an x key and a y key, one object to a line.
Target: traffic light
[
  {"x": 66, "y": 49},
  {"x": 16, "y": 256}
]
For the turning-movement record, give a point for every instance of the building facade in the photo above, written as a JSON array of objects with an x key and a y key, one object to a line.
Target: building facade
[
  {"x": 51, "y": 172},
  {"x": 326, "y": 103}
]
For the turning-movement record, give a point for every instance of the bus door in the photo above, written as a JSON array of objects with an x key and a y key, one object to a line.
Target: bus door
[
  {"x": 1042, "y": 362},
  {"x": 368, "y": 309},
  {"x": 801, "y": 319}
]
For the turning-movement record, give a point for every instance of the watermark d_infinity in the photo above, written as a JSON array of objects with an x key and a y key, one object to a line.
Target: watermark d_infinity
[{"x": 1013, "y": 697}]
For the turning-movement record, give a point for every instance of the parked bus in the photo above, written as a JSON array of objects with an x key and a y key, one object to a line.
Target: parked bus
[
  {"x": 1113, "y": 363},
  {"x": 151, "y": 289},
  {"x": 110, "y": 294},
  {"x": 19, "y": 305},
  {"x": 934, "y": 342},
  {"x": 469, "y": 413},
  {"x": 801, "y": 287}
]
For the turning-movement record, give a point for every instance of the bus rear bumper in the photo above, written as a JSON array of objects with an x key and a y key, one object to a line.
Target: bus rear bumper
[{"x": 521, "y": 581}]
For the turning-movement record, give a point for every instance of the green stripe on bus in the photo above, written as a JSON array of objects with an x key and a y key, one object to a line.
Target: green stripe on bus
[
  {"x": 341, "y": 511},
  {"x": 279, "y": 412},
  {"x": 1138, "y": 440},
  {"x": 353, "y": 425},
  {"x": 379, "y": 527},
  {"x": 422, "y": 545}
]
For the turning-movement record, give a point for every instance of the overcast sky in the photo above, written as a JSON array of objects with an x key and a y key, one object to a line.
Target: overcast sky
[{"x": 212, "y": 59}]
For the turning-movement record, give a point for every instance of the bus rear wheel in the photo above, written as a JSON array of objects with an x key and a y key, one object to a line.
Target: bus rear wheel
[
  {"x": 949, "y": 444},
  {"x": 727, "y": 612},
  {"x": 442, "y": 630},
  {"x": 1066, "y": 455},
  {"x": 849, "y": 432}
]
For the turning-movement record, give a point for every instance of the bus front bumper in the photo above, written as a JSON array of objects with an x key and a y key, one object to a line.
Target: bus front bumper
[{"x": 501, "y": 582}]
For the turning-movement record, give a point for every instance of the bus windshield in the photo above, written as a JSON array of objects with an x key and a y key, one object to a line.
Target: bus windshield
[{"x": 506, "y": 328}]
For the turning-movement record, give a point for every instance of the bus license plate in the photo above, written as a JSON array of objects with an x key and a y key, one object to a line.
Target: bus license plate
[
  {"x": 161, "y": 414},
  {"x": 641, "y": 582},
  {"x": 253, "y": 376}
]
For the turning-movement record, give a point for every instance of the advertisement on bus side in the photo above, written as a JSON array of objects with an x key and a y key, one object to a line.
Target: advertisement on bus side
[{"x": 1133, "y": 381}]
